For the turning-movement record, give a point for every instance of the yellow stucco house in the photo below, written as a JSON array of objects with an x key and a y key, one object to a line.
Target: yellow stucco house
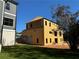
[{"x": 41, "y": 31}]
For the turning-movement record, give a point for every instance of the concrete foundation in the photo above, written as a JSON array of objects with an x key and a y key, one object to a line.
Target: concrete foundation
[{"x": 0, "y": 47}]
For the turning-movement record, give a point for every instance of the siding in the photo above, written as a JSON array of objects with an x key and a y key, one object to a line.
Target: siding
[
  {"x": 14, "y": 20},
  {"x": 12, "y": 9},
  {"x": 10, "y": 14},
  {"x": 1, "y": 19},
  {"x": 1, "y": 12},
  {"x": 8, "y": 34},
  {"x": 8, "y": 37}
]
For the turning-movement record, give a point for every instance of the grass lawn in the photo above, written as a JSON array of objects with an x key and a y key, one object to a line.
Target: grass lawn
[{"x": 29, "y": 52}]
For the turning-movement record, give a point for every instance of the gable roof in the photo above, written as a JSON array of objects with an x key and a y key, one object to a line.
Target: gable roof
[{"x": 42, "y": 18}]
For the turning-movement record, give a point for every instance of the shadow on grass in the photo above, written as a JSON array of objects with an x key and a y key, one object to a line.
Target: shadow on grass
[{"x": 26, "y": 51}]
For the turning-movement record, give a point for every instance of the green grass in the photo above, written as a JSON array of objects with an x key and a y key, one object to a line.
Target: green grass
[{"x": 29, "y": 52}]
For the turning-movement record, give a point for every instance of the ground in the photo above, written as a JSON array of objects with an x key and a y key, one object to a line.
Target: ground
[{"x": 31, "y": 52}]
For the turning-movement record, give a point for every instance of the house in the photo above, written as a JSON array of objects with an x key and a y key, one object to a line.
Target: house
[
  {"x": 42, "y": 31},
  {"x": 8, "y": 22},
  {"x": 18, "y": 35}
]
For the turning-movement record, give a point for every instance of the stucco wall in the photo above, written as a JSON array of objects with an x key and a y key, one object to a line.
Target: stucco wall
[
  {"x": 42, "y": 32},
  {"x": 35, "y": 33},
  {"x": 47, "y": 35}
]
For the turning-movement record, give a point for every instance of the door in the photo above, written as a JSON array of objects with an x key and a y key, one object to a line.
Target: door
[
  {"x": 56, "y": 40},
  {"x": 30, "y": 39}
]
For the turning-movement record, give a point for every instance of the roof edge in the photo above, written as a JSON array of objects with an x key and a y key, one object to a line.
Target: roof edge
[{"x": 12, "y": 1}]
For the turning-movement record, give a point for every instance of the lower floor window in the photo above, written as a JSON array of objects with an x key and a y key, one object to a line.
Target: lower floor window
[
  {"x": 56, "y": 40},
  {"x": 46, "y": 40},
  {"x": 50, "y": 40}
]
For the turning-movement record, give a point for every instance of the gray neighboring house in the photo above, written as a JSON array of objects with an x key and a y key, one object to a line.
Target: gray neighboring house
[{"x": 8, "y": 22}]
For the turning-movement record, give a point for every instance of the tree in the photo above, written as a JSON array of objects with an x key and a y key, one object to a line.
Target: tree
[
  {"x": 68, "y": 22},
  {"x": 73, "y": 35}
]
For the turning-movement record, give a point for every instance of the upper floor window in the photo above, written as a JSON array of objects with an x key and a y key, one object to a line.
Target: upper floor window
[
  {"x": 50, "y": 24},
  {"x": 45, "y": 22},
  {"x": 55, "y": 33},
  {"x": 30, "y": 25},
  {"x": 60, "y": 33},
  {"x": 8, "y": 22},
  {"x": 27, "y": 26},
  {"x": 7, "y": 6}
]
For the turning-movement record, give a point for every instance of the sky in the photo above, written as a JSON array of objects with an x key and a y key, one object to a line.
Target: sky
[{"x": 29, "y": 9}]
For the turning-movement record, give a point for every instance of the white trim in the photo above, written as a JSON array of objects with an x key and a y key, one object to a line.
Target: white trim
[
  {"x": 8, "y": 30},
  {"x": 9, "y": 14},
  {"x": 1, "y": 0},
  {"x": 2, "y": 12}
]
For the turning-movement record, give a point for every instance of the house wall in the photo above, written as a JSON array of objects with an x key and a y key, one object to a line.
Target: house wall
[
  {"x": 35, "y": 24},
  {"x": 8, "y": 34},
  {"x": 41, "y": 31},
  {"x": 34, "y": 34},
  {"x": 1, "y": 16},
  {"x": 49, "y": 36},
  {"x": 14, "y": 21},
  {"x": 12, "y": 8},
  {"x": 10, "y": 14},
  {"x": 1, "y": 20},
  {"x": 8, "y": 37},
  {"x": 1, "y": 12}
]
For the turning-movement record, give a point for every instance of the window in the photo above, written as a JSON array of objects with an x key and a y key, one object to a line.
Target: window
[
  {"x": 46, "y": 40},
  {"x": 8, "y": 22},
  {"x": 30, "y": 25},
  {"x": 27, "y": 26},
  {"x": 7, "y": 6},
  {"x": 50, "y": 40},
  {"x": 37, "y": 40},
  {"x": 45, "y": 22},
  {"x": 55, "y": 33},
  {"x": 56, "y": 40},
  {"x": 60, "y": 33},
  {"x": 50, "y": 24},
  {"x": 50, "y": 32}
]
